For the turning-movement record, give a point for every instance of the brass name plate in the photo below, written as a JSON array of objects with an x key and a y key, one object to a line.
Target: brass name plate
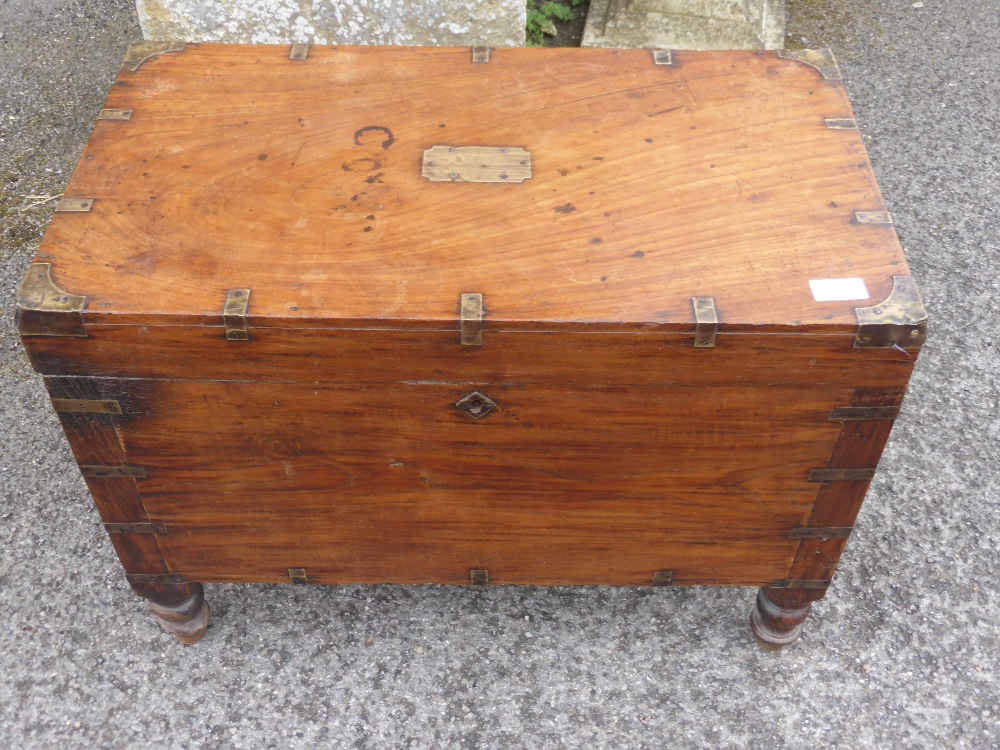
[{"x": 476, "y": 164}]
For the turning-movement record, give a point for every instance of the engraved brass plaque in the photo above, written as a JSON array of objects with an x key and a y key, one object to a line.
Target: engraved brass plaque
[{"x": 498, "y": 164}]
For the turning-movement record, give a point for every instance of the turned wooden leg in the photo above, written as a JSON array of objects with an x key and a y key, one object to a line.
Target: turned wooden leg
[
  {"x": 778, "y": 615},
  {"x": 179, "y": 608}
]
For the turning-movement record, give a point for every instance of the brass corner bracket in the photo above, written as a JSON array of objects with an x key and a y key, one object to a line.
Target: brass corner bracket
[
  {"x": 706, "y": 318},
  {"x": 299, "y": 52},
  {"x": 43, "y": 309},
  {"x": 821, "y": 59},
  {"x": 140, "y": 52},
  {"x": 234, "y": 314},
  {"x": 663, "y": 57},
  {"x": 898, "y": 321},
  {"x": 481, "y": 54}
]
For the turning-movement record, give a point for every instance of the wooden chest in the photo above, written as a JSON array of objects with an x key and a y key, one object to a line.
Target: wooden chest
[{"x": 581, "y": 316}]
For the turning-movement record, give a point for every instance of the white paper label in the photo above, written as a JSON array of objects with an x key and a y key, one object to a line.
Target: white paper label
[{"x": 838, "y": 290}]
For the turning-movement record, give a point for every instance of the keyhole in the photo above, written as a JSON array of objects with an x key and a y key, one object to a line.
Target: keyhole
[{"x": 476, "y": 406}]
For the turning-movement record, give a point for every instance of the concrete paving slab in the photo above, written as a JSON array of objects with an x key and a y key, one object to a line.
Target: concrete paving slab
[
  {"x": 902, "y": 653},
  {"x": 686, "y": 24},
  {"x": 499, "y": 23}
]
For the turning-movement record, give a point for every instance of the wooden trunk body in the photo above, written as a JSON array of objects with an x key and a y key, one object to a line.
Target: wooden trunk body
[{"x": 676, "y": 398}]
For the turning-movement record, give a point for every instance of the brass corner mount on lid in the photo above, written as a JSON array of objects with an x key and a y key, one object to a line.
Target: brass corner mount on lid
[
  {"x": 139, "y": 52},
  {"x": 899, "y": 321},
  {"x": 43, "y": 309},
  {"x": 821, "y": 59}
]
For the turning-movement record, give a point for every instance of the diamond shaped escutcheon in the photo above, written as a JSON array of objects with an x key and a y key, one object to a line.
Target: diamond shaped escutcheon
[{"x": 477, "y": 405}]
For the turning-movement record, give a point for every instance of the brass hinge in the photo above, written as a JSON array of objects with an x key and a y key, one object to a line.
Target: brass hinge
[
  {"x": 43, "y": 309},
  {"x": 663, "y": 57},
  {"x": 821, "y": 59},
  {"x": 899, "y": 321},
  {"x": 797, "y": 583},
  {"x": 299, "y": 52},
  {"x": 863, "y": 413},
  {"x": 234, "y": 314},
  {"x": 471, "y": 319},
  {"x": 481, "y": 54},
  {"x": 139, "y": 52},
  {"x": 298, "y": 575},
  {"x": 479, "y": 577},
  {"x": 74, "y": 205},
  {"x": 155, "y": 578},
  {"x": 136, "y": 528},
  {"x": 706, "y": 322},
  {"x": 832, "y": 532},
  {"x": 115, "y": 114},
  {"x": 85, "y": 406},
  {"x": 113, "y": 472},
  {"x": 663, "y": 578},
  {"x": 841, "y": 475},
  {"x": 841, "y": 123}
]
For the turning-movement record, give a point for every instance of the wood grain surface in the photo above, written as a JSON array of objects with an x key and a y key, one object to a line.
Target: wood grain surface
[{"x": 300, "y": 180}]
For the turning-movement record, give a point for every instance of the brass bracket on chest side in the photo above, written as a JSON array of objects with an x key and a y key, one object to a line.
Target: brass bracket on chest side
[
  {"x": 298, "y": 575},
  {"x": 139, "y": 52},
  {"x": 898, "y": 321},
  {"x": 155, "y": 578},
  {"x": 113, "y": 472},
  {"x": 479, "y": 577},
  {"x": 85, "y": 406},
  {"x": 706, "y": 322},
  {"x": 863, "y": 413},
  {"x": 471, "y": 319},
  {"x": 234, "y": 314},
  {"x": 841, "y": 475},
  {"x": 481, "y": 54},
  {"x": 136, "y": 528},
  {"x": 43, "y": 309},
  {"x": 841, "y": 123},
  {"x": 796, "y": 583},
  {"x": 663, "y": 578},
  {"x": 832, "y": 532},
  {"x": 299, "y": 52},
  {"x": 821, "y": 59}
]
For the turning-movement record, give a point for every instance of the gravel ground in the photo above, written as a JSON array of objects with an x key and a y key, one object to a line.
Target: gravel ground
[{"x": 901, "y": 654}]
